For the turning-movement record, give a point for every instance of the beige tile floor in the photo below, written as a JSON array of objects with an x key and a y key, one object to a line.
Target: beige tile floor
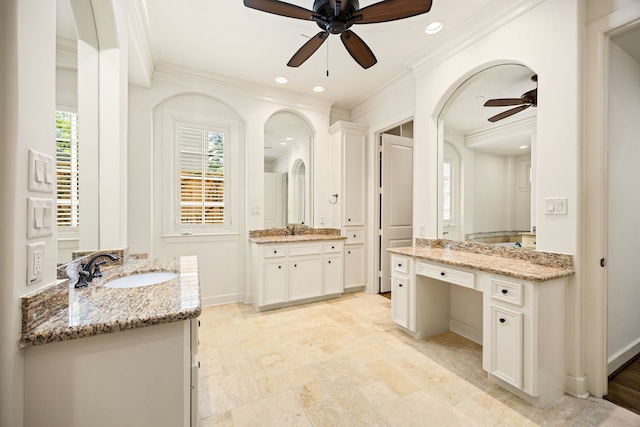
[{"x": 343, "y": 363}]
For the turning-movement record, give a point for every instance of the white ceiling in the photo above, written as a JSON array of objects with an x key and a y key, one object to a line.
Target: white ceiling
[{"x": 226, "y": 38}]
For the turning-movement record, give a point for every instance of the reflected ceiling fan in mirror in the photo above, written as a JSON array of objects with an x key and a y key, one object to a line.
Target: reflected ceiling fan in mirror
[
  {"x": 336, "y": 17},
  {"x": 528, "y": 99}
]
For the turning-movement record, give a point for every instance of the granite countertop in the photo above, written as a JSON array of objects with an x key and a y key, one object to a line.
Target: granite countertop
[
  {"x": 296, "y": 238},
  {"x": 526, "y": 265},
  {"x": 98, "y": 309}
]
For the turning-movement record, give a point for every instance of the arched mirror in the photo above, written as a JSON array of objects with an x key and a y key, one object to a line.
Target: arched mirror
[
  {"x": 487, "y": 182},
  {"x": 288, "y": 152},
  {"x": 76, "y": 129}
]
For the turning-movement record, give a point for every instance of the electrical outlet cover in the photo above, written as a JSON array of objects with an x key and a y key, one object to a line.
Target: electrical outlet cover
[{"x": 35, "y": 262}]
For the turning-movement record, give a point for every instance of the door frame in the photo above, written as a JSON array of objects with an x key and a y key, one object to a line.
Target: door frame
[
  {"x": 595, "y": 200},
  {"x": 378, "y": 251}
]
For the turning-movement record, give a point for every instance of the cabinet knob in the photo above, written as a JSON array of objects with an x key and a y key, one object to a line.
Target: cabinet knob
[
  {"x": 295, "y": 265},
  {"x": 442, "y": 273},
  {"x": 275, "y": 252},
  {"x": 279, "y": 266},
  {"x": 399, "y": 285},
  {"x": 349, "y": 220},
  {"x": 333, "y": 247},
  {"x": 399, "y": 265},
  {"x": 349, "y": 252},
  {"x": 504, "y": 291},
  {"x": 502, "y": 320},
  {"x": 329, "y": 262},
  {"x": 354, "y": 236}
]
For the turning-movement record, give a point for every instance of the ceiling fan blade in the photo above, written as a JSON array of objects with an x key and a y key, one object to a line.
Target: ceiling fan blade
[
  {"x": 281, "y": 8},
  {"x": 503, "y": 102},
  {"x": 308, "y": 49},
  {"x": 358, "y": 49},
  {"x": 391, "y": 10},
  {"x": 508, "y": 113}
]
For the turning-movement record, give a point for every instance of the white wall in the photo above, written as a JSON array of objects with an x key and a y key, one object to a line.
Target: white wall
[
  {"x": 223, "y": 260},
  {"x": 28, "y": 105},
  {"x": 624, "y": 208}
]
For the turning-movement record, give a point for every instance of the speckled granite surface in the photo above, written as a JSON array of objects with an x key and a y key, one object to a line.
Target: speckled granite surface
[
  {"x": 512, "y": 262},
  {"x": 308, "y": 234},
  {"x": 98, "y": 309}
]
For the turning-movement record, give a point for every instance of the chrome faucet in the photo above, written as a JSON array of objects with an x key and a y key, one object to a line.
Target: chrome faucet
[{"x": 89, "y": 270}]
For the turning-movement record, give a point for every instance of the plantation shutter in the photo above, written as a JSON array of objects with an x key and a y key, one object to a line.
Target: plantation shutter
[
  {"x": 202, "y": 179},
  {"x": 446, "y": 192},
  {"x": 67, "y": 171}
]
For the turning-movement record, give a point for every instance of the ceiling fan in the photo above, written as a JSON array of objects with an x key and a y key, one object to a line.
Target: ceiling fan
[
  {"x": 336, "y": 17},
  {"x": 528, "y": 99}
]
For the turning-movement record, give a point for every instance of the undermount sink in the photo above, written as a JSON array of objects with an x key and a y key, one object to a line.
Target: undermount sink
[{"x": 142, "y": 279}]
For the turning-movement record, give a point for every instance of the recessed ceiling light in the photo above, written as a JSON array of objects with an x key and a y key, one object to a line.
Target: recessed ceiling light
[
  {"x": 434, "y": 27},
  {"x": 524, "y": 146},
  {"x": 318, "y": 89},
  {"x": 289, "y": 138},
  {"x": 282, "y": 80},
  {"x": 283, "y": 143}
]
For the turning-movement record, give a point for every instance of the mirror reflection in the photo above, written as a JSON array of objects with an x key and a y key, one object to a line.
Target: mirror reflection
[
  {"x": 288, "y": 186},
  {"x": 76, "y": 129},
  {"x": 487, "y": 184}
]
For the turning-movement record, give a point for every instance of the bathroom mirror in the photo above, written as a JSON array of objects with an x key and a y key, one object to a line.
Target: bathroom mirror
[
  {"x": 288, "y": 162},
  {"x": 487, "y": 174},
  {"x": 76, "y": 128}
]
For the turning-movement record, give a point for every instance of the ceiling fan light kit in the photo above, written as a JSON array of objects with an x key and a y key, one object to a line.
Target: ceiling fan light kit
[{"x": 336, "y": 17}]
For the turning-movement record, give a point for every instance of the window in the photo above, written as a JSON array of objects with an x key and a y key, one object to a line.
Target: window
[
  {"x": 447, "y": 193},
  {"x": 67, "y": 172},
  {"x": 203, "y": 188}
]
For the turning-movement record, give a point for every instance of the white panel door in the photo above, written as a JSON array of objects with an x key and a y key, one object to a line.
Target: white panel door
[
  {"x": 274, "y": 200},
  {"x": 397, "y": 199}
]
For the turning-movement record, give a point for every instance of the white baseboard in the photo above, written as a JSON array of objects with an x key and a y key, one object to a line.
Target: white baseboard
[
  {"x": 577, "y": 386},
  {"x": 466, "y": 331},
  {"x": 222, "y": 299},
  {"x": 623, "y": 356}
]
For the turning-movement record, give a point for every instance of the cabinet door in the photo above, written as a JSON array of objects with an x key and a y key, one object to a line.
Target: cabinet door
[
  {"x": 400, "y": 297},
  {"x": 332, "y": 274},
  {"x": 354, "y": 179},
  {"x": 305, "y": 277},
  {"x": 506, "y": 345},
  {"x": 353, "y": 266},
  {"x": 275, "y": 282}
]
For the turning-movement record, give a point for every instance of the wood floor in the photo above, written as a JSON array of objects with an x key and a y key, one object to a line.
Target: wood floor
[{"x": 624, "y": 387}]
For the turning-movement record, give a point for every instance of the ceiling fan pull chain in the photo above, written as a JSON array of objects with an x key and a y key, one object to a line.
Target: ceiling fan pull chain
[{"x": 327, "y": 59}]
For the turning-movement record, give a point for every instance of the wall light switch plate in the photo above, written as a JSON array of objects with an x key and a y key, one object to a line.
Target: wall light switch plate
[
  {"x": 255, "y": 210},
  {"x": 556, "y": 206},
  {"x": 39, "y": 217},
  {"x": 35, "y": 262},
  {"x": 41, "y": 172}
]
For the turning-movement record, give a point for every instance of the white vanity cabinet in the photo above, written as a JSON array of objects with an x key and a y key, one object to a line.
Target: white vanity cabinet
[
  {"x": 524, "y": 344},
  {"x": 139, "y": 377},
  {"x": 523, "y": 322},
  {"x": 348, "y": 143},
  {"x": 288, "y": 273}
]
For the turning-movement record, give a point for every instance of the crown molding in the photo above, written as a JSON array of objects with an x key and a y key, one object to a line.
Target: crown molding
[
  {"x": 477, "y": 27},
  {"x": 207, "y": 81},
  {"x": 524, "y": 125},
  {"x": 140, "y": 59}
]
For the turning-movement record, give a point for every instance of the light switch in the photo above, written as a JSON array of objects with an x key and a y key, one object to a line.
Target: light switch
[
  {"x": 550, "y": 205},
  {"x": 556, "y": 206},
  {"x": 39, "y": 217},
  {"x": 41, "y": 172}
]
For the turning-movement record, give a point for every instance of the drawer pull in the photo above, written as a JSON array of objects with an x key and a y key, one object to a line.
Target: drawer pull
[
  {"x": 442, "y": 273},
  {"x": 349, "y": 220},
  {"x": 279, "y": 266},
  {"x": 295, "y": 265},
  {"x": 504, "y": 291},
  {"x": 399, "y": 265},
  {"x": 399, "y": 285},
  {"x": 333, "y": 247},
  {"x": 349, "y": 252},
  {"x": 329, "y": 262},
  {"x": 275, "y": 252},
  {"x": 502, "y": 320},
  {"x": 354, "y": 236}
]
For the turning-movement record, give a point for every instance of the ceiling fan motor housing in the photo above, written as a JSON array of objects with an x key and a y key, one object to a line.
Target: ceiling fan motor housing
[{"x": 335, "y": 23}]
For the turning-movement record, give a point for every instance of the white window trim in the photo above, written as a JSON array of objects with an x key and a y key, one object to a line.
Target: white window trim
[
  {"x": 69, "y": 232},
  {"x": 452, "y": 193},
  {"x": 172, "y": 231}
]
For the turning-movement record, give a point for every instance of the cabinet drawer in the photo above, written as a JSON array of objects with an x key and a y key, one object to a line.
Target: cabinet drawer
[
  {"x": 275, "y": 251},
  {"x": 457, "y": 277},
  {"x": 305, "y": 249},
  {"x": 507, "y": 291},
  {"x": 400, "y": 265},
  {"x": 354, "y": 235},
  {"x": 332, "y": 247}
]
